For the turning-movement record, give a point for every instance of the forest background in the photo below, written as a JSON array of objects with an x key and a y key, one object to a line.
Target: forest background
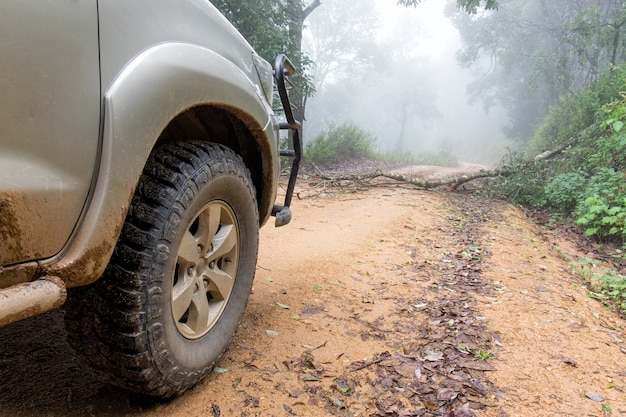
[{"x": 551, "y": 73}]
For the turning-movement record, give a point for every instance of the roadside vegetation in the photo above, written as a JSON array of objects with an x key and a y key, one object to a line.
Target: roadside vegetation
[
  {"x": 585, "y": 184},
  {"x": 566, "y": 100},
  {"x": 347, "y": 141}
]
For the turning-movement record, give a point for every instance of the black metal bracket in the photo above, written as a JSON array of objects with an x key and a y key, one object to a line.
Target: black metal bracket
[{"x": 283, "y": 69}]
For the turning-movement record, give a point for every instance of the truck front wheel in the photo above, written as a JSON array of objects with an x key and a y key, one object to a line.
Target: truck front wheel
[{"x": 179, "y": 280}]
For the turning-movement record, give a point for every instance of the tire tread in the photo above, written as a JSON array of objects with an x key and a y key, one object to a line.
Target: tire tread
[{"x": 108, "y": 322}]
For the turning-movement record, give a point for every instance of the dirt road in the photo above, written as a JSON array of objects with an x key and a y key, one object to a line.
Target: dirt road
[{"x": 388, "y": 302}]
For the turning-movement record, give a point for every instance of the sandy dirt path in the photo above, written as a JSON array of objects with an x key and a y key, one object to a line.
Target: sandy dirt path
[{"x": 388, "y": 302}]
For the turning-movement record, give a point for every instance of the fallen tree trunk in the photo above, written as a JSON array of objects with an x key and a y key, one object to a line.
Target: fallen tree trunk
[
  {"x": 453, "y": 181},
  {"x": 553, "y": 152}
]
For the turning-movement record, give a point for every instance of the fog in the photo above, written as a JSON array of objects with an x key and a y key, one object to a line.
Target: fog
[{"x": 395, "y": 74}]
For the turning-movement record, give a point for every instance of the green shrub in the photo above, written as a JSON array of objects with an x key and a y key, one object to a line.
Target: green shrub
[
  {"x": 338, "y": 142},
  {"x": 603, "y": 210},
  {"x": 595, "y": 149},
  {"x": 585, "y": 178},
  {"x": 576, "y": 112},
  {"x": 524, "y": 183},
  {"x": 611, "y": 147},
  {"x": 563, "y": 192},
  {"x": 573, "y": 114},
  {"x": 613, "y": 285},
  {"x": 606, "y": 285}
]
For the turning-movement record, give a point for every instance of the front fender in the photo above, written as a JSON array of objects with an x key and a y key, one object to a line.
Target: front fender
[{"x": 147, "y": 94}]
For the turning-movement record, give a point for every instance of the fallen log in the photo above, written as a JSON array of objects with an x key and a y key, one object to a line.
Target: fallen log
[{"x": 453, "y": 181}]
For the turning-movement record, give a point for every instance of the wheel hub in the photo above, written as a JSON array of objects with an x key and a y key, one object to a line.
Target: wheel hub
[{"x": 204, "y": 279}]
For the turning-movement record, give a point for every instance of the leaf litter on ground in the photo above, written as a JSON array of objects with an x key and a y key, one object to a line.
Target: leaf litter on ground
[{"x": 435, "y": 369}]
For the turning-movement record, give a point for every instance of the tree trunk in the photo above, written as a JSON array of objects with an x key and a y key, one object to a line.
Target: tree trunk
[
  {"x": 454, "y": 181},
  {"x": 298, "y": 14}
]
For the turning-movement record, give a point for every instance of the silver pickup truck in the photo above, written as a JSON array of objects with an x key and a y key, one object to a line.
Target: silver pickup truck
[{"x": 139, "y": 155}]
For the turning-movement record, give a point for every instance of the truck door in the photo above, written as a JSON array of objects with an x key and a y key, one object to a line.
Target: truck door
[{"x": 49, "y": 122}]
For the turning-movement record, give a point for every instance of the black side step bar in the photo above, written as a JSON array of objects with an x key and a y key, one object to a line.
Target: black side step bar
[{"x": 283, "y": 69}]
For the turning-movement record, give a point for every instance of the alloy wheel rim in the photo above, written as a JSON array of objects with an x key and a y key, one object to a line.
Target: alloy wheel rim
[{"x": 206, "y": 268}]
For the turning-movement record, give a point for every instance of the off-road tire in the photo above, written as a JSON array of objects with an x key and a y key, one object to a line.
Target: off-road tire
[{"x": 125, "y": 325}]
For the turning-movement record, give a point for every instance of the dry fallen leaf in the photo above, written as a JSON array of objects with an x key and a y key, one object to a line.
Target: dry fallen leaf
[
  {"x": 569, "y": 361},
  {"x": 446, "y": 395},
  {"x": 594, "y": 397},
  {"x": 432, "y": 356},
  {"x": 476, "y": 365},
  {"x": 464, "y": 411}
]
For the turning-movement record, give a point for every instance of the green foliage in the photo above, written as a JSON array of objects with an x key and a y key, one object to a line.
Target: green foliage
[
  {"x": 563, "y": 192},
  {"x": 264, "y": 23},
  {"x": 612, "y": 149},
  {"x": 524, "y": 183},
  {"x": 344, "y": 141},
  {"x": 616, "y": 114},
  {"x": 603, "y": 210},
  {"x": 270, "y": 27},
  {"x": 576, "y": 112},
  {"x": 607, "y": 285},
  {"x": 572, "y": 115},
  {"x": 541, "y": 51},
  {"x": 587, "y": 180},
  {"x": 600, "y": 150},
  {"x": 347, "y": 141},
  {"x": 483, "y": 355}
]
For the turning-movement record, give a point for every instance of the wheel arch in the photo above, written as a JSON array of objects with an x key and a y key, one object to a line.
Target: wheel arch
[
  {"x": 227, "y": 126},
  {"x": 168, "y": 90}
]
